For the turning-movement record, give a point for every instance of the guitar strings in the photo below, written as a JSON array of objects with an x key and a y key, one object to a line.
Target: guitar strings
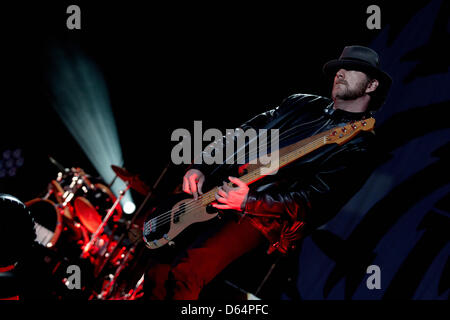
[
  {"x": 167, "y": 217},
  {"x": 195, "y": 205},
  {"x": 193, "y": 202},
  {"x": 201, "y": 196}
]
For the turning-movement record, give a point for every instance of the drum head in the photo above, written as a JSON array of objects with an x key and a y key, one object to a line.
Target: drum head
[
  {"x": 92, "y": 207},
  {"x": 110, "y": 198},
  {"x": 87, "y": 214},
  {"x": 48, "y": 222}
]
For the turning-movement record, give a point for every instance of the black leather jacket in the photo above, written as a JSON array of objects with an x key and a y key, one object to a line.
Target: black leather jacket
[{"x": 310, "y": 191}]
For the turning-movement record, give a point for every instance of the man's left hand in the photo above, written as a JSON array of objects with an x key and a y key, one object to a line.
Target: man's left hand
[{"x": 232, "y": 198}]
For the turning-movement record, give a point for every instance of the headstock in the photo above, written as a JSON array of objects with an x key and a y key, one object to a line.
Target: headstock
[{"x": 343, "y": 134}]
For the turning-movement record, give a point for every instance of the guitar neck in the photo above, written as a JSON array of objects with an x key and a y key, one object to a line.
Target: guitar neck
[
  {"x": 286, "y": 155},
  {"x": 297, "y": 150}
]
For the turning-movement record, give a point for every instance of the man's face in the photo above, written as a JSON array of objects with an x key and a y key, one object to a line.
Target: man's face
[{"x": 349, "y": 84}]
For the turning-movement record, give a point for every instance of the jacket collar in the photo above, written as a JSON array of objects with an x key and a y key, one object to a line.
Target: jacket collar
[{"x": 345, "y": 116}]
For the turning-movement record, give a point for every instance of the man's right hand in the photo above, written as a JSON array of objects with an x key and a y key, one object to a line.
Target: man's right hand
[{"x": 193, "y": 182}]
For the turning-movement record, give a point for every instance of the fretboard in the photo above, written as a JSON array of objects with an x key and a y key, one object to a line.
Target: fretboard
[{"x": 286, "y": 155}]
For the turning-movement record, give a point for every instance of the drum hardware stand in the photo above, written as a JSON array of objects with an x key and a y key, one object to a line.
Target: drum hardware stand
[
  {"x": 122, "y": 237},
  {"x": 77, "y": 180},
  {"x": 94, "y": 236},
  {"x": 131, "y": 295},
  {"x": 107, "y": 289},
  {"x": 48, "y": 194},
  {"x": 148, "y": 196},
  {"x": 57, "y": 164},
  {"x": 112, "y": 182},
  {"x": 114, "y": 179}
]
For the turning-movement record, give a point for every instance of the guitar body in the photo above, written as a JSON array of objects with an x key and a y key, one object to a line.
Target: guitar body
[{"x": 171, "y": 218}]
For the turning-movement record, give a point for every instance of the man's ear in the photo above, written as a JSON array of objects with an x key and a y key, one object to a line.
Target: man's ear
[{"x": 373, "y": 84}]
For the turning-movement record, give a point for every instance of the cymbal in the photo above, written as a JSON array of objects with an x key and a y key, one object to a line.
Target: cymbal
[
  {"x": 133, "y": 180},
  {"x": 122, "y": 173}
]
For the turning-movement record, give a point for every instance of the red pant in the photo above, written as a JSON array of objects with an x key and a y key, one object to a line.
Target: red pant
[{"x": 184, "y": 279}]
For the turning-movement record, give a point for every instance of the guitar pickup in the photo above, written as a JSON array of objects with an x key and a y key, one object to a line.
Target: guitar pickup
[{"x": 178, "y": 213}]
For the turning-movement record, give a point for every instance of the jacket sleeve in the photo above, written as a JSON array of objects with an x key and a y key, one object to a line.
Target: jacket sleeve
[{"x": 315, "y": 191}]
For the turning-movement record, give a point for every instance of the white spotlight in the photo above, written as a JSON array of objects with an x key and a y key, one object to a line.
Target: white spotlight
[
  {"x": 81, "y": 99},
  {"x": 129, "y": 207}
]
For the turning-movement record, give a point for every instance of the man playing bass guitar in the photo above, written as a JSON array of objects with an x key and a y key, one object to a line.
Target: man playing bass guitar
[{"x": 283, "y": 208}]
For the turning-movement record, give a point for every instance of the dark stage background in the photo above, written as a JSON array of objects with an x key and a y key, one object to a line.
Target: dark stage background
[{"x": 166, "y": 65}]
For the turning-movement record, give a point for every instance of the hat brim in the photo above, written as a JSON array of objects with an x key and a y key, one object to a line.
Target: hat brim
[{"x": 331, "y": 67}]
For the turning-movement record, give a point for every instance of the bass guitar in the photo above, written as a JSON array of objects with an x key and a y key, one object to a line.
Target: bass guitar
[{"x": 169, "y": 220}]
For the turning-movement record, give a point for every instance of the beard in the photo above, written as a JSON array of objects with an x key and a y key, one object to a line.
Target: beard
[{"x": 345, "y": 93}]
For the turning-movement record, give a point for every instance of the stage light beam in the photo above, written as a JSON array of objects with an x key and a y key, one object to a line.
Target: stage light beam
[{"x": 80, "y": 97}]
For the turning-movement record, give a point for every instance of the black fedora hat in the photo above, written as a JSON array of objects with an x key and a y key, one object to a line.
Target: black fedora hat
[{"x": 361, "y": 59}]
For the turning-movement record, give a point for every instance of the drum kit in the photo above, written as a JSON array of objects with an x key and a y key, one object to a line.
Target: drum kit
[{"x": 82, "y": 220}]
